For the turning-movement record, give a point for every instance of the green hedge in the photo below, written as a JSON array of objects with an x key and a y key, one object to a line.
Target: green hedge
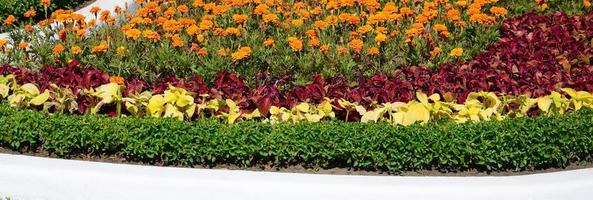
[{"x": 517, "y": 144}]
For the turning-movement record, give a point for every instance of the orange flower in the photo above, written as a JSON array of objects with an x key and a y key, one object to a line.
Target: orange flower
[
  {"x": 152, "y": 35},
  {"x": 482, "y": 18},
  {"x": 364, "y": 29},
  {"x": 23, "y": 45},
  {"x": 498, "y": 11},
  {"x": 192, "y": 30},
  {"x": 324, "y": 48},
  {"x": 297, "y": 22},
  {"x": 76, "y": 50},
  {"x": 223, "y": 52},
  {"x": 314, "y": 42},
  {"x": 9, "y": 20},
  {"x": 58, "y": 49},
  {"x": 232, "y": 31},
  {"x": 269, "y": 42},
  {"x": 453, "y": 15},
  {"x": 95, "y": 10},
  {"x": 270, "y": 18},
  {"x": 239, "y": 19},
  {"x": 176, "y": 41},
  {"x": 45, "y": 3},
  {"x": 133, "y": 33},
  {"x": 29, "y": 28},
  {"x": 356, "y": 45},
  {"x": 373, "y": 51},
  {"x": 182, "y": 8},
  {"x": 117, "y": 79},
  {"x": 320, "y": 24},
  {"x": 261, "y": 9},
  {"x": 295, "y": 44},
  {"x": 101, "y": 48},
  {"x": 171, "y": 25},
  {"x": 30, "y": 13},
  {"x": 587, "y": 3},
  {"x": 457, "y": 52},
  {"x": 435, "y": 52},
  {"x": 242, "y": 53}
]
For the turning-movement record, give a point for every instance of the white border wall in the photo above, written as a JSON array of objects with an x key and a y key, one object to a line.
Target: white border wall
[{"x": 25, "y": 177}]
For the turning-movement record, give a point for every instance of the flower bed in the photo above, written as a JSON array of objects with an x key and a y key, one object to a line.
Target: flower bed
[
  {"x": 145, "y": 65},
  {"x": 14, "y": 13}
]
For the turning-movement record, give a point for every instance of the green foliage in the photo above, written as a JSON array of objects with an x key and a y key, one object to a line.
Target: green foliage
[{"x": 515, "y": 144}]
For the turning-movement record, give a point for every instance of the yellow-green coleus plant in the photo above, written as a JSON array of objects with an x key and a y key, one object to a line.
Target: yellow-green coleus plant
[
  {"x": 479, "y": 106},
  {"x": 27, "y": 95},
  {"x": 63, "y": 100},
  {"x": 7, "y": 83},
  {"x": 175, "y": 102},
  {"x": 136, "y": 103},
  {"x": 303, "y": 112},
  {"x": 110, "y": 93},
  {"x": 236, "y": 113}
]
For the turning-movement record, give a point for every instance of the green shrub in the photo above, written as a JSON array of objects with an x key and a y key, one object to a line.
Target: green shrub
[{"x": 517, "y": 144}]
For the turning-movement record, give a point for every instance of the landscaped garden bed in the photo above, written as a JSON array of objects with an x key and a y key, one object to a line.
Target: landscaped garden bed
[{"x": 445, "y": 85}]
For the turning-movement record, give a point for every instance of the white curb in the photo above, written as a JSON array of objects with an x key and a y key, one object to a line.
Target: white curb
[
  {"x": 103, "y": 4},
  {"x": 26, "y": 177}
]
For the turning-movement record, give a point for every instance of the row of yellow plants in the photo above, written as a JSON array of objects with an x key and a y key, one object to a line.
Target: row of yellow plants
[{"x": 180, "y": 104}]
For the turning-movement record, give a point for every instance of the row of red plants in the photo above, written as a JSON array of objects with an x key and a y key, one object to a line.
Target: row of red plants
[{"x": 535, "y": 55}]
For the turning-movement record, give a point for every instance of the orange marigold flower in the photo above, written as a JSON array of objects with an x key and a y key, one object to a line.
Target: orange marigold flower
[
  {"x": 23, "y": 45},
  {"x": 498, "y": 11},
  {"x": 171, "y": 25},
  {"x": 45, "y": 3},
  {"x": 373, "y": 51},
  {"x": 117, "y": 79},
  {"x": 320, "y": 24},
  {"x": 342, "y": 50},
  {"x": 192, "y": 30},
  {"x": 133, "y": 33},
  {"x": 269, "y": 42},
  {"x": 206, "y": 24},
  {"x": 76, "y": 50},
  {"x": 30, "y": 13},
  {"x": 9, "y": 20},
  {"x": 324, "y": 48},
  {"x": 295, "y": 44},
  {"x": 457, "y": 52},
  {"x": 297, "y": 22},
  {"x": 29, "y": 28},
  {"x": 202, "y": 52},
  {"x": 405, "y": 11},
  {"x": 242, "y": 53},
  {"x": 95, "y": 10},
  {"x": 356, "y": 45},
  {"x": 182, "y": 8},
  {"x": 364, "y": 29},
  {"x": 261, "y": 9},
  {"x": 435, "y": 52},
  {"x": 270, "y": 18},
  {"x": 198, "y": 3},
  {"x": 232, "y": 31},
  {"x": 223, "y": 52},
  {"x": 461, "y": 3},
  {"x": 587, "y": 3},
  {"x": 482, "y": 18},
  {"x": 453, "y": 15},
  {"x": 240, "y": 19},
  {"x": 152, "y": 35},
  {"x": 101, "y": 48},
  {"x": 58, "y": 49},
  {"x": 176, "y": 41},
  {"x": 331, "y": 20},
  {"x": 314, "y": 42},
  {"x": 440, "y": 27}
]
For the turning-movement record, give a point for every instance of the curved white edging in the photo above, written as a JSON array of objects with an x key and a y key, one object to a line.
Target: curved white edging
[
  {"x": 104, "y": 5},
  {"x": 25, "y": 177}
]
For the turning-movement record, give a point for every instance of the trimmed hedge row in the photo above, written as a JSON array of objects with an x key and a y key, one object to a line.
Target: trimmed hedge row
[{"x": 515, "y": 144}]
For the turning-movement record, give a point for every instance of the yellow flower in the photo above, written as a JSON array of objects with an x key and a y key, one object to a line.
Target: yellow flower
[
  {"x": 587, "y": 3},
  {"x": 121, "y": 51},
  {"x": 242, "y": 53},
  {"x": 435, "y": 52},
  {"x": 295, "y": 44},
  {"x": 297, "y": 22},
  {"x": 76, "y": 50},
  {"x": 58, "y": 49},
  {"x": 380, "y": 38},
  {"x": 3, "y": 43},
  {"x": 457, "y": 52}
]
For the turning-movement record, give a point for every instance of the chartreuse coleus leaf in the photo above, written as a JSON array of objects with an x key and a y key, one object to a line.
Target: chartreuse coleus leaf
[
  {"x": 175, "y": 103},
  {"x": 28, "y": 95}
]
